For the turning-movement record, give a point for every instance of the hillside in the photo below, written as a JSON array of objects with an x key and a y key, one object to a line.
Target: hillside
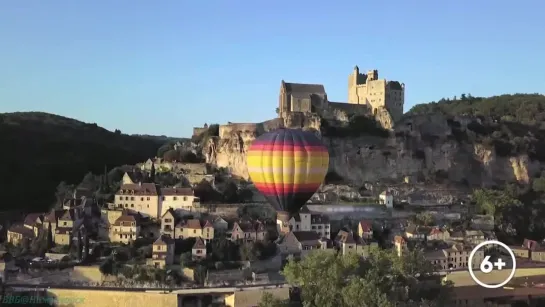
[{"x": 40, "y": 150}]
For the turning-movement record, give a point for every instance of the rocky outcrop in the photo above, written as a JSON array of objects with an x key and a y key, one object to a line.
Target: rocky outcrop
[{"x": 421, "y": 147}]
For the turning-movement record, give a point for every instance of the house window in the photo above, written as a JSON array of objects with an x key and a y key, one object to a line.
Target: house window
[
  {"x": 132, "y": 205},
  {"x": 199, "y": 251},
  {"x": 194, "y": 231},
  {"x": 168, "y": 220},
  {"x": 174, "y": 198},
  {"x": 185, "y": 198},
  {"x": 147, "y": 198},
  {"x": 148, "y": 205},
  {"x": 120, "y": 197},
  {"x": 132, "y": 197},
  {"x": 64, "y": 223},
  {"x": 141, "y": 198},
  {"x": 126, "y": 198}
]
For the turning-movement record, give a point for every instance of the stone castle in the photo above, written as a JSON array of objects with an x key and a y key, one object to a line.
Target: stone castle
[{"x": 302, "y": 105}]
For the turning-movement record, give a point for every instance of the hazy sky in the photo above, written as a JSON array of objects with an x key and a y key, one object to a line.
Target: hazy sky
[{"x": 162, "y": 67}]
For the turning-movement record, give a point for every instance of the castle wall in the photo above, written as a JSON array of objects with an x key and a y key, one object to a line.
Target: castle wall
[
  {"x": 248, "y": 128},
  {"x": 198, "y": 131}
]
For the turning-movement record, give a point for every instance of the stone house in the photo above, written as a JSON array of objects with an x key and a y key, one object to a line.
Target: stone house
[
  {"x": 169, "y": 220},
  {"x": 348, "y": 242},
  {"x": 455, "y": 257},
  {"x": 177, "y": 198},
  {"x": 457, "y": 236},
  {"x": 17, "y": 233},
  {"x": 63, "y": 231},
  {"x": 414, "y": 232},
  {"x": 474, "y": 236},
  {"x": 365, "y": 229},
  {"x": 141, "y": 197},
  {"x": 438, "y": 234},
  {"x": 34, "y": 222},
  {"x": 400, "y": 245},
  {"x": 387, "y": 199},
  {"x": 162, "y": 253},
  {"x": 249, "y": 231},
  {"x": 304, "y": 221},
  {"x": 299, "y": 243},
  {"x": 199, "y": 249},
  {"x": 194, "y": 228},
  {"x": 125, "y": 229}
]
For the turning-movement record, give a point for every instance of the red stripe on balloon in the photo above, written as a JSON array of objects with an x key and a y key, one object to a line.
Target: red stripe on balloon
[{"x": 287, "y": 148}]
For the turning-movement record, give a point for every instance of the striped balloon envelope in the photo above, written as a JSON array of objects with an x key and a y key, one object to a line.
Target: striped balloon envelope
[{"x": 287, "y": 166}]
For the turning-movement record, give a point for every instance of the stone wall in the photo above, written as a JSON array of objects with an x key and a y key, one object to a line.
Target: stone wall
[
  {"x": 93, "y": 298},
  {"x": 226, "y": 131},
  {"x": 199, "y": 130}
]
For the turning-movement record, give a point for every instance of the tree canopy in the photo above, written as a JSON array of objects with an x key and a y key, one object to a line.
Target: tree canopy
[
  {"x": 384, "y": 279},
  {"x": 50, "y": 148}
]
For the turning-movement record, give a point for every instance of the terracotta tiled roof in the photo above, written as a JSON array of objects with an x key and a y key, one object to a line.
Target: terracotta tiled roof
[
  {"x": 193, "y": 224},
  {"x": 346, "y": 237},
  {"x": 435, "y": 230},
  {"x": 54, "y": 216},
  {"x": 199, "y": 244},
  {"x": 124, "y": 219},
  {"x": 33, "y": 219},
  {"x": 18, "y": 228},
  {"x": 163, "y": 240},
  {"x": 366, "y": 226},
  {"x": 177, "y": 191},
  {"x": 138, "y": 189},
  {"x": 207, "y": 224}
]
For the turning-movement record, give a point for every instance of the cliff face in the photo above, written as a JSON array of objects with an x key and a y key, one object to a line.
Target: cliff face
[{"x": 422, "y": 148}]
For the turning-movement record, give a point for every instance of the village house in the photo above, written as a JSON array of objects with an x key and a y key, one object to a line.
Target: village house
[
  {"x": 177, "y": 198},
  {"x": 365, "y": 229},
  {"x": 162, "y": 253},
  {"x": 438, "y": 234},
  {"x": 34, "y": 222},
  {"x": 414, "y": 232},
  {"x": 141, "y": 197},
  {"x": 16, "y": 234},
  {"x": 194, "y": 228},
  {"x": 387, "y": 199},
  {"x": 125, "y": 229},
  {"x": 400, "y": 245},
  {"x": 457, "y": 236},
  {"x": 63, "y": 230},
  {"x": 199, "y": 249},
  {"x": 474, "y": 236},
  {"x": 455, "y": 257},
  {"x": 348, "y": 242},
  {"x": 529, "y": 249},
  {"x": 220, "y": 225},
  {"x": 169, "y": 220},
  {"x": 299, "y": 243},
  {"x": 249, "y": 231},
  {"x": 304, "y": 221}
]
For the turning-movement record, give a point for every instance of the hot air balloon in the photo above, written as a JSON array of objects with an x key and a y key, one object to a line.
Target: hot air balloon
[{"x": 287, "y": 166}]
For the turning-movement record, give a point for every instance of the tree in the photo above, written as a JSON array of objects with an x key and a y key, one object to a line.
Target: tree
[
  {"x": 152, "y": 174},
  {"x": 186, "y": 259},
  {"x": 425, "y": 218},
  {"x": 383, "y": 279},
  {"x": 222, "y": 249},
  {"x": 268, "y": 300},
  {"x": 64, "y": 191},
  {"x": 108, "y": 267},
  {"x": 171, "y": 155}
]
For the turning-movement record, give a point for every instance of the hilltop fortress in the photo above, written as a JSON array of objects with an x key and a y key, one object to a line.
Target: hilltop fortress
[{"x": 304, "y": 105}]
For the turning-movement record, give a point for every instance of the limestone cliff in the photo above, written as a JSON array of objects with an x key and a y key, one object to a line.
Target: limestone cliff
[{"x": 421, "y": 148}]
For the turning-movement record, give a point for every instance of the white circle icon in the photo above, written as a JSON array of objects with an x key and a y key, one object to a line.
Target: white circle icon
[{"x": 487, "y": 266}]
